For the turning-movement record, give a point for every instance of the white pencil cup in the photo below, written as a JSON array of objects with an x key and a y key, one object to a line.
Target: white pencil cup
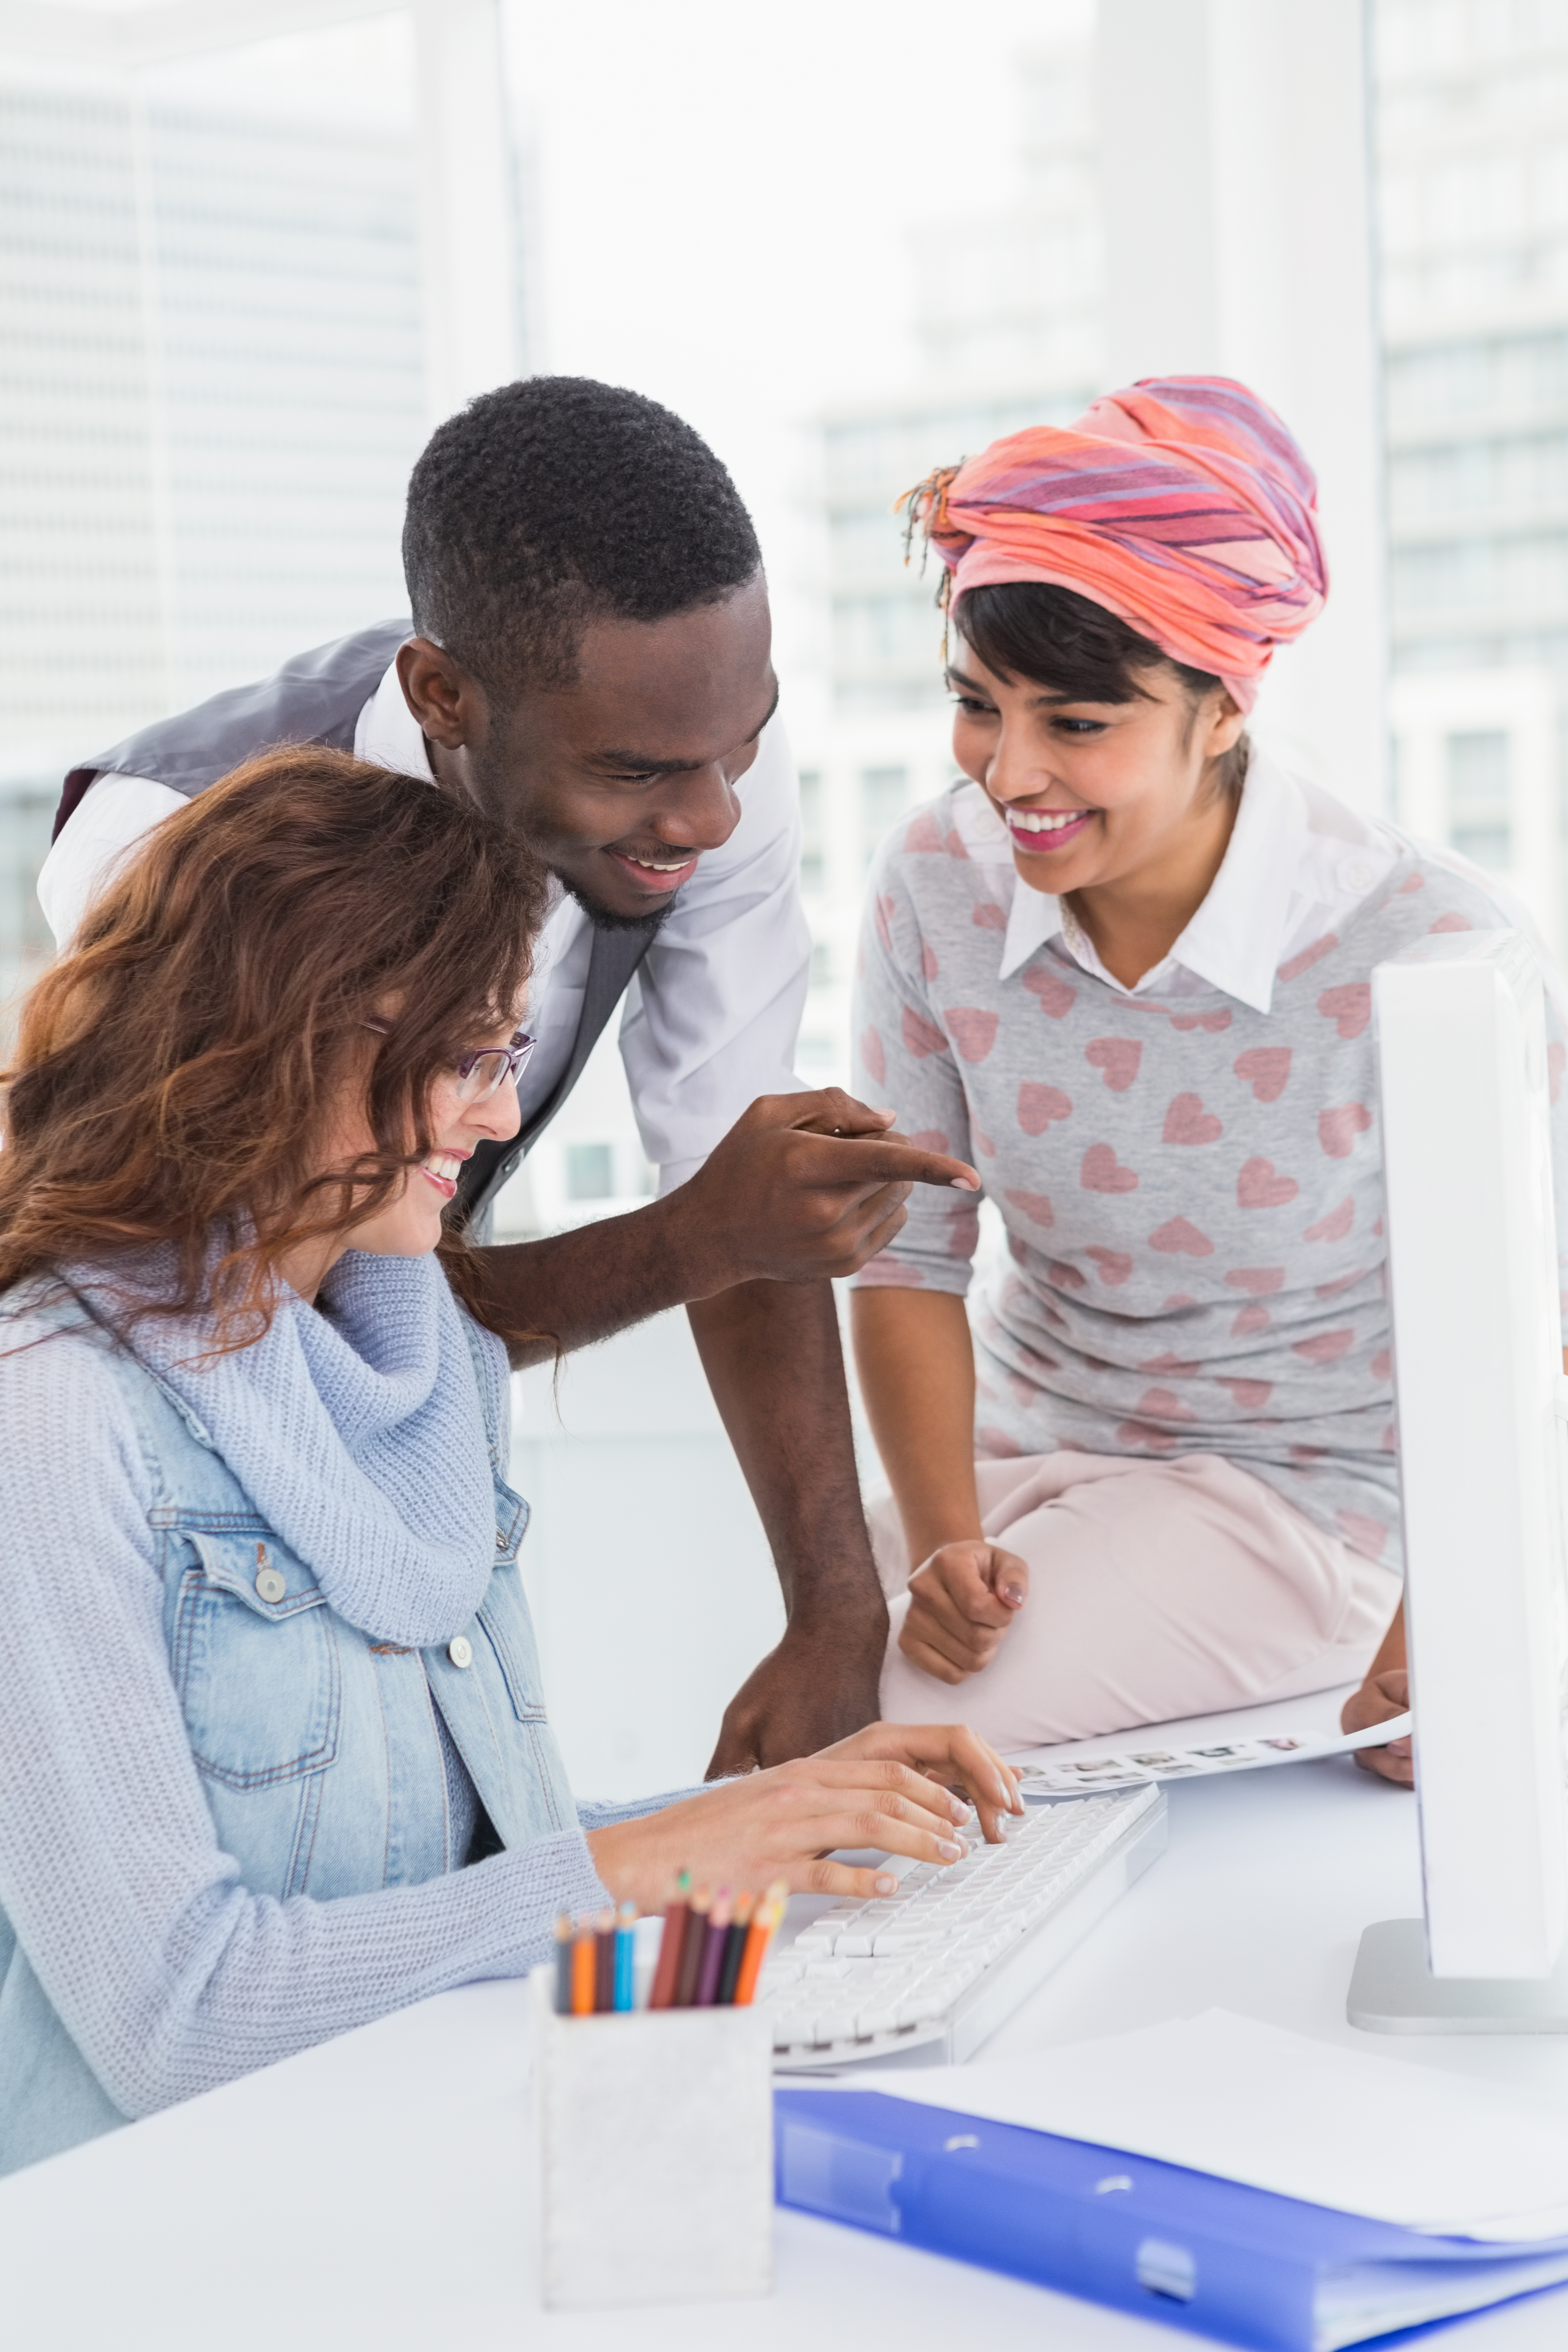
[{"x": 655, "y": 2152}]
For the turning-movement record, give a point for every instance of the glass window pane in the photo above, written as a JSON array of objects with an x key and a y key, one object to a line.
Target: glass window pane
[{"x": 590, "y": 1172}]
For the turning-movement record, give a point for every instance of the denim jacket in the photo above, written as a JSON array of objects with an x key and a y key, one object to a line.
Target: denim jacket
[{"x": 317, "y": 1747}]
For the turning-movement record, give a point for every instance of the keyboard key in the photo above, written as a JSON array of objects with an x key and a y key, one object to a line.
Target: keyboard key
[
  {"x": 792, "y": 2029},
  {"x": 880, "y": 2016},
  {"x": 897, "y": 1943},
  {"x": 923, "y": 2006},
  {"x": 835, "y": 2025}
]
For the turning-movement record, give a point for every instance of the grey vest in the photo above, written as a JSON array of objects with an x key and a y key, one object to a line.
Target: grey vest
[{"x": 317, "y": 697}]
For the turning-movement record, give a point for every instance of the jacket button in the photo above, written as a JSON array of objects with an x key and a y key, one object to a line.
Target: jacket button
[
  {"x": 269, "y": 1584},
  {"x": 460, "y": 1651},
  {"x": 500, "y": 1540}
]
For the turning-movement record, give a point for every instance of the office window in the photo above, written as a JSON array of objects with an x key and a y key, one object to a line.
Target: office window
[
  {"x": 884, "y": 796},
  {"x": 26, "y": 815},
  {"x": 867, "y": 543},
  {"x": 211, "y": 390},
  {"x": 1517, "y": 374},
  {"x": 1486, "y": 480},
  {"x": 590, "y": 1172},
  {"x": 1479, "y": 797},
  {"x": 813, "y": 862}
]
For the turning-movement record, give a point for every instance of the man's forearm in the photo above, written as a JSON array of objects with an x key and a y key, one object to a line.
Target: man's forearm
[
  {"x": 572, "y": 1289},
  {"x": 804, "y": 1187},
  {"x": 775, "y": 1365}
]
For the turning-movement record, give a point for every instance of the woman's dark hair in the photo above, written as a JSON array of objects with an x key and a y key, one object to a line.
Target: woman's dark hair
[
  {"x": 175, "y": 1069},
  {"x": 1033, "y": 629}
]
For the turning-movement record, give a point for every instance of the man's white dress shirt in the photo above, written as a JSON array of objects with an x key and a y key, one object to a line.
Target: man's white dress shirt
[{"x": 709, "y": 1022}]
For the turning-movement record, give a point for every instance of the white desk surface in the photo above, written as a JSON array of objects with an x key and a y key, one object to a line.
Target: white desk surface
[{"x": 368, "y": 2194}]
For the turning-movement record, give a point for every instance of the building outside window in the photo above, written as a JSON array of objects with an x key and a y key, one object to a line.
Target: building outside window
[
  {"x": 27, "y": 807},
  {"x": 1471, "y": 145},
  {"x": 210, "y": 391},
  {"x": 1481, "y": 815}
]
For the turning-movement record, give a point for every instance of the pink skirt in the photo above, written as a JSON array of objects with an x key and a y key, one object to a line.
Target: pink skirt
[{"x": 1157, "y": 1589}]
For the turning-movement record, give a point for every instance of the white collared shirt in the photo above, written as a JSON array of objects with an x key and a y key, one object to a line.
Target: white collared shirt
[
  {"x": 1298, "y": 863},
  {"x": 711, "y": 1021}
]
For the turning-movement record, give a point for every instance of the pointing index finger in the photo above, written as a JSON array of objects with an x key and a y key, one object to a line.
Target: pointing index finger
[
  {"x": 905, "y": 1163},
  {"x": 878, "y": 1159}
]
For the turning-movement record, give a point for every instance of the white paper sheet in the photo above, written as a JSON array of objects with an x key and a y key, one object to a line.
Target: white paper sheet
[
  {"x": 1226, "y": 2095},
  {"x": 1156, "y": 1760}
]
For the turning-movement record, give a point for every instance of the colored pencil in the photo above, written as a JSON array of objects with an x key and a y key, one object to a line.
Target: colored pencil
[
  {"x": 764, "y": 1919},
  {"x": 625, "y": 1951},
  {"x": 583, "y": 1969},
  {"x": 604, "y": 1962},
  {"x": 563, "y": 1965},
  {"x": 666, "y": 1969},
  {"x": 691, "y": 1945},
  {"x": 712, "y": 1965},
  {"x": 734, "y": 1947}
]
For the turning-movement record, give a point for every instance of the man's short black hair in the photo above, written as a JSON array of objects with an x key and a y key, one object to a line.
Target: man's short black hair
[{"x": 556, "y": 502}]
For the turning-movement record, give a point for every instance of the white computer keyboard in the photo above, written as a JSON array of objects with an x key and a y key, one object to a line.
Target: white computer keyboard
[{"x": 936, "y": 1969}]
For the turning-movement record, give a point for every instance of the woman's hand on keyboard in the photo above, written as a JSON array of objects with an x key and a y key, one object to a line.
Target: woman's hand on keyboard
[
  {"x": 888, "y": 1787},
  {"x": 961, "y": 1602}
]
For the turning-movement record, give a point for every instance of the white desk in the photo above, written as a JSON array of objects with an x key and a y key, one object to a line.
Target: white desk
[{"x": 366, "y": 2195}]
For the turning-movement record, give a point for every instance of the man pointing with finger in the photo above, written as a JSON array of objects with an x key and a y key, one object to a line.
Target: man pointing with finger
[{"x": 589, "y": 661}]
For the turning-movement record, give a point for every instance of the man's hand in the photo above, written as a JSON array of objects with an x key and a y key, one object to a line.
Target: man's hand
[
  {"x": 813, "y": 1689},
  {"x": 1381, "y": 1695},
  {"x": 805, "y": 1188},
  {"x": 961, "y": 1602}
]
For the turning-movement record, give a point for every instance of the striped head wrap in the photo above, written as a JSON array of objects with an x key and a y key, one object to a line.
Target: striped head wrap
[{"x": 1181, "y": 505}]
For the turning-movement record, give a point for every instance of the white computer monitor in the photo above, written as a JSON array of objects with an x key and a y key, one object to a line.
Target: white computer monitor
[{"x": 1483, "y": 1466}]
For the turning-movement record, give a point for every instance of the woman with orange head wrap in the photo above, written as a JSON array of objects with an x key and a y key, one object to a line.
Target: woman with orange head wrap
[
  {"x": 1182, "y": 506},
  {"x": 1123, "y": 967}
]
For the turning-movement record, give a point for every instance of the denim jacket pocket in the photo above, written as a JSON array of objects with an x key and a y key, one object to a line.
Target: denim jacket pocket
[
  {"x": 255, "y": 1656},
  {"x": 512, "y": 1516},
  {"x": 506, "y": 1624}
]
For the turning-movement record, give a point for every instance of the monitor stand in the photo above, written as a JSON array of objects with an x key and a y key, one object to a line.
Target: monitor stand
[{"x": 1393, "y": 1992}]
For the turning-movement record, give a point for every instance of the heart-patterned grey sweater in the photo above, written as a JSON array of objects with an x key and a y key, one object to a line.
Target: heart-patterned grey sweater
[{"x": 1191, "y": 1187}]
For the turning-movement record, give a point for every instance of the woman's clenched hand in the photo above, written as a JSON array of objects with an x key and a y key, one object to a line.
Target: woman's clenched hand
[{"x": 961, "y": 1602}]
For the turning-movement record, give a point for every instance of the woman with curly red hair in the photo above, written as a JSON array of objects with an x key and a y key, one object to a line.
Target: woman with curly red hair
[{"x": 275, "y": 1753}]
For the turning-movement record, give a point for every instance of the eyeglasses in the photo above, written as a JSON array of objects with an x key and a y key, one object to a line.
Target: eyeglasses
[{"x": 482, "y": 1073}]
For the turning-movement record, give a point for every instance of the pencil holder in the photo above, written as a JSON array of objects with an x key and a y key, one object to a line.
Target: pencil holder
[{"x": 654, "y": 2144}]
